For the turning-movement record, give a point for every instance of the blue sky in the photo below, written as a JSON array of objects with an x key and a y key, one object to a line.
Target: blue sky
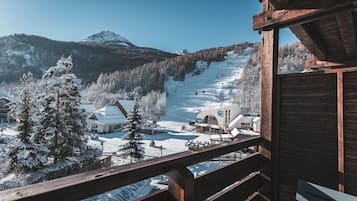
[{"x": 169, "y": 25}]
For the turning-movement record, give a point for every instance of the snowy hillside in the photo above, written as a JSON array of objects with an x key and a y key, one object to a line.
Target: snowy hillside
[
  {"x": 211, "y": 88},
  {"x": 108, "y": 38}
]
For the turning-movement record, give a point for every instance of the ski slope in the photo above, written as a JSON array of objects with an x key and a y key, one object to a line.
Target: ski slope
[{"x": 211, "y": 88}]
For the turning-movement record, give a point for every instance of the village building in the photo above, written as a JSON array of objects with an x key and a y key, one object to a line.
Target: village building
[
  {"x": 4, "y": 110},
  {"x": 109, "y": 118},
  {"x": 225, "y": 119}
]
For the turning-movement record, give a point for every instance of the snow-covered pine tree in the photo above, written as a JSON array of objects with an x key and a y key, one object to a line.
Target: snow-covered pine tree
[
  {"x": 133, "y": 147},
  {"x": 24, "y": 154},
  {"x": 61, "y": 122},
  {"x": 74, "y": 117}
]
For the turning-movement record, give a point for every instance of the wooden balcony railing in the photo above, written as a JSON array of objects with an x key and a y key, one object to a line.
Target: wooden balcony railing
[{"x": 236, "y": 181}]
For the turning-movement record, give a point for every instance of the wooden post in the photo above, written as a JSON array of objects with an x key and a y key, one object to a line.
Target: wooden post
[
  {"x": 269, "y": 71},
  {"x": 181, "y": 184},
  {"x": 341, "y": 155}
]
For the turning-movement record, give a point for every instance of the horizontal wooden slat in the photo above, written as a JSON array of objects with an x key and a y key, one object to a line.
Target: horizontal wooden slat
[
  {"x": 223, "y": 177},
  {"x": 87, "y": 184},
  {"x": 241, "y": 190}
]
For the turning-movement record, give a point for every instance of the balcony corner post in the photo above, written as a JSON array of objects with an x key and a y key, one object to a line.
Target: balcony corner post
[{"x": 181, "y": 184}]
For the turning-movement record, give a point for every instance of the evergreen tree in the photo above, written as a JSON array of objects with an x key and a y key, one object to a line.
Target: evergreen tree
[
  {"x": 24, "y": 154},
  {"x": 61, "y": 122},
  {"x": 133, "y": 147},
  {"x": 74, "y": 118}
]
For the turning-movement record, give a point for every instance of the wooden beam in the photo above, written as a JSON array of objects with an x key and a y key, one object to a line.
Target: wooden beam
[
  {"x": 280, "y": 18},
  {"x": 345, "y": 70},
  {"x": 182, "y": 184},
  {"x": 301, "y": 4},
  {"x": 346, "y": 27},
  {"x": 340, "y": 129},
  {"x": 311, "y": 39},
  {"x": 314, "y": 63},
  {"x": 311, "y": 63},
  {"x": 283, "y": 18},
  {"x": 269, "y": 71},
  {"x": 269, "y": 55}
]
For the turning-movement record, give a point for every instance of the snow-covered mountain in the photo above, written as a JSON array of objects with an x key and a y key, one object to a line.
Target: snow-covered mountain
[{"x": 109, "y": 39}]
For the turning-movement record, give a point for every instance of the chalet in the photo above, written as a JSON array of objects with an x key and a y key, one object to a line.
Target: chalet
[
  {"x": 4, "y": 110},
  {"x": 307, "y": 147},
  {"x": 109, "y": 118}
]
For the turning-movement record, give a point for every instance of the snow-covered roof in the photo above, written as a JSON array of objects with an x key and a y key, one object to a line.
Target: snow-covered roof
[
  {"x": 256, "y": 119},
  {"x": 235, "y": 121},
  {"x": 7, "y": 99},
  {"x": 108, "y": 120},
  {"x": 235, "y": 132},
  {"x": 209, "y": 125},
  {"x": 221, "y": 136},
  {"x": 247, "y": 132},
  {"x": 110, "y": 110},
  {"x": 128, "y": 105},
  {"x": 88, "y": 108}
]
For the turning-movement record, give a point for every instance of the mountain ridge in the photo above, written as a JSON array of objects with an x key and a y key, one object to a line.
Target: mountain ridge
[
  {"x": 20, "y": 53},
  {"x": 109, "y": 39}
]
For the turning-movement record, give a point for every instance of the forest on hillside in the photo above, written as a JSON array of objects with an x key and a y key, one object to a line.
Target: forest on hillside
[
  {"x": 152, "y": 76},
  {"x": 291, "y": 60}
]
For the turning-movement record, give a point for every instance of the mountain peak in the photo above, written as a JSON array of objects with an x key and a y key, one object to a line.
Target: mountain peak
[{"x": 109, "y": 38}]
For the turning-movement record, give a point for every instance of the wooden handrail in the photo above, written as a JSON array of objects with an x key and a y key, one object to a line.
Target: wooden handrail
[
  {"x": 217, "y": 180},
  {"x": 91, "y": 183}
]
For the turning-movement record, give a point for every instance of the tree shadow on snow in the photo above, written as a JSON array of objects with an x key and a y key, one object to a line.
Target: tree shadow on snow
[{"x": 161, "y": 137}]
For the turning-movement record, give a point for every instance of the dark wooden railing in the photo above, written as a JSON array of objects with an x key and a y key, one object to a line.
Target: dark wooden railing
[{"x": 236, "y": 181}]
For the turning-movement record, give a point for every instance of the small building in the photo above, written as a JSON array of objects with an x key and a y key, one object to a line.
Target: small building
[
  {"x": 4, "y": 110},
  {"x": 208, "y": 128},
  {"x": 225, "y": 119},
  {"x": 218, "y": 119},
  {"x": 110, "y": 117}
]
